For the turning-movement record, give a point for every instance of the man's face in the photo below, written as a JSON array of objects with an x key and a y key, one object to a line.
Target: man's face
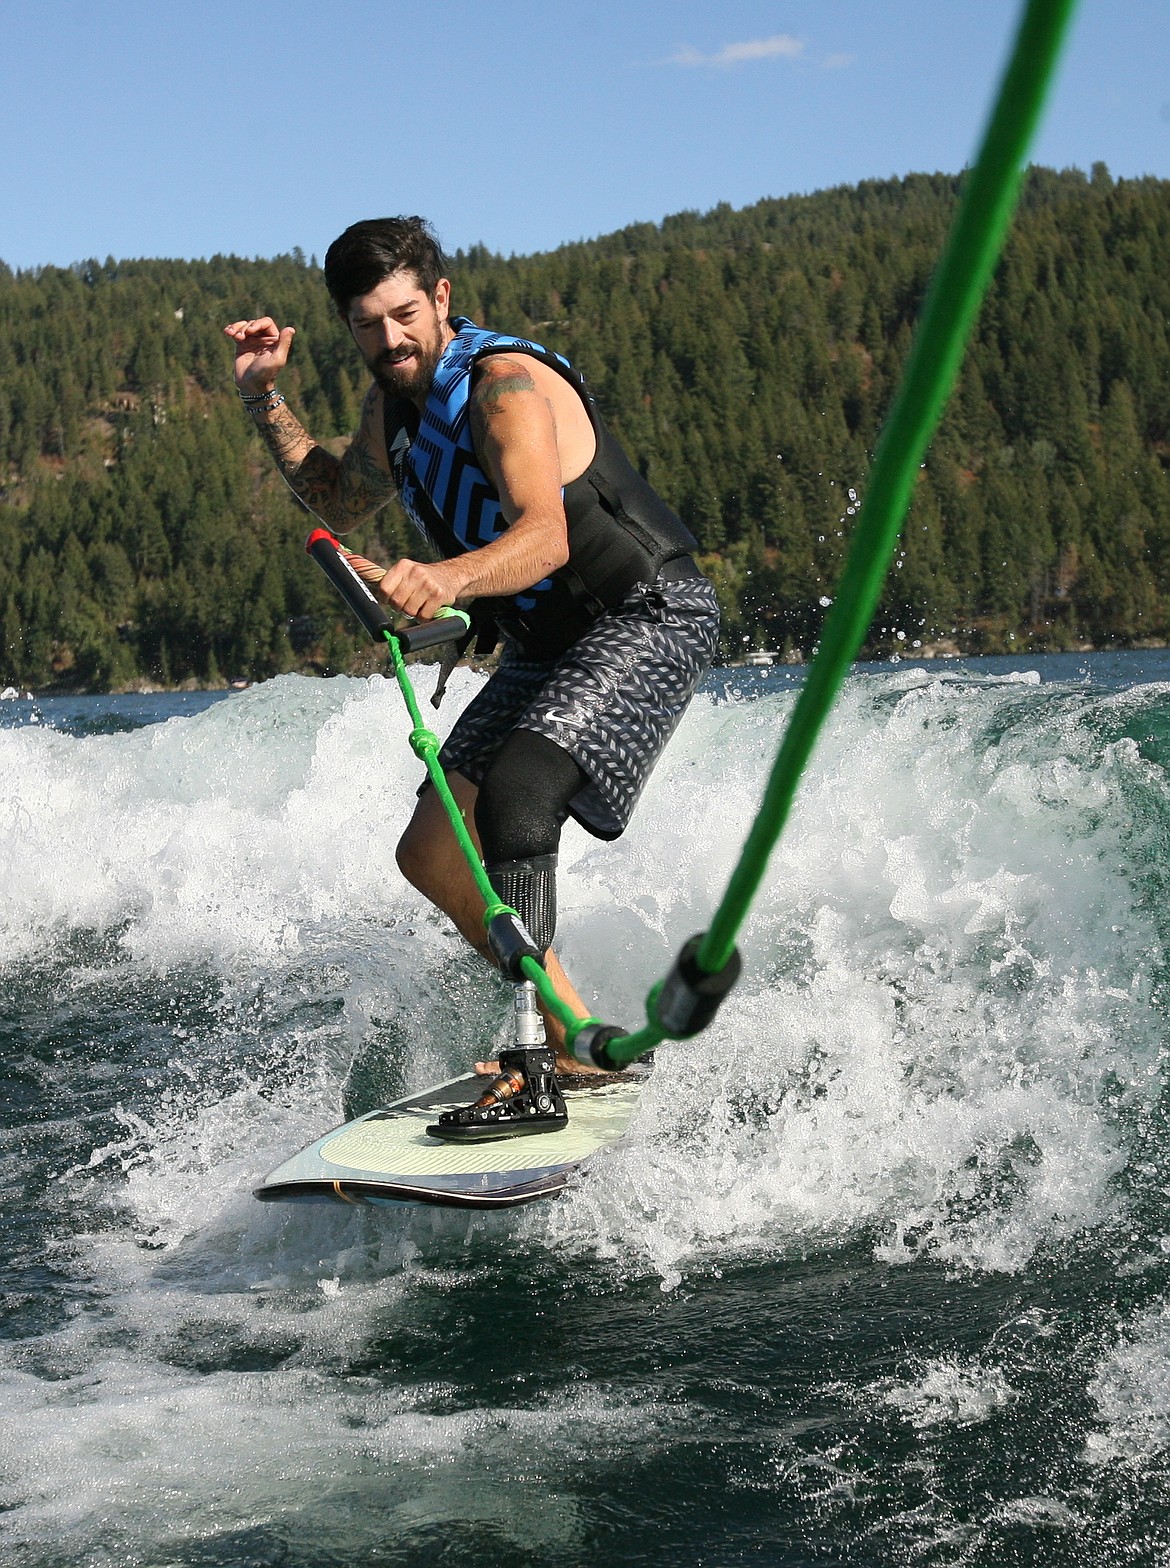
[{"x": 401, "y": 334}]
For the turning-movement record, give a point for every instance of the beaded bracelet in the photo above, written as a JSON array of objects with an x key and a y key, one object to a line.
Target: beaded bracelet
[
  {"x": 256, "y": 397},
  {"x": 270, "y": 403}
]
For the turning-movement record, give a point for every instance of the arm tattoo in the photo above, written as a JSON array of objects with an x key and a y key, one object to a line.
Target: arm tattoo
[
  {"x": 364, "y": 486},
  {"x": 493, "y": 388},
  {"x": 282, "y": 434},
  {"x": 500, "y": 381},
  {"x": 341, "y": 491}
]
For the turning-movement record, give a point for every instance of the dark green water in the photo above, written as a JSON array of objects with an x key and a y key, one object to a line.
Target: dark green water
[{"x": 881, "y": 1276}]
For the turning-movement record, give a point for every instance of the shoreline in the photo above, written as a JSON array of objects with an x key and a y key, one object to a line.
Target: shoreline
[{"x": 943, "y": 650}]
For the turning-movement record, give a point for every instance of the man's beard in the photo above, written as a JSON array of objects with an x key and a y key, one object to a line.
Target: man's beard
[{"x": 409, "y": 377}]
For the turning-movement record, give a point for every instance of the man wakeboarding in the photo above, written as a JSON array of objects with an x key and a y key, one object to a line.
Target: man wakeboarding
[{"x": 549, "y": 535}]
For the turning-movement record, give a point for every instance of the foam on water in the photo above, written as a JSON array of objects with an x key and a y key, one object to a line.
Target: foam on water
[
  {"x": 950, "y": 1391},
  {"x": 1131, "y": 1390},
  {"x": 948, "y": 1012},
  {"x": 229, "y": 835},
  {"x": 948, "y": 1044},
  {"x": 127, "y": 1460}
]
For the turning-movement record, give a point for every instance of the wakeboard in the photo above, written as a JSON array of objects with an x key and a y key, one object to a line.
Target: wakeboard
[{"x": 387, "y": 1156}]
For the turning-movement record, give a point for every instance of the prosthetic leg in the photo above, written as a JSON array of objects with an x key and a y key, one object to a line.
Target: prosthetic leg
[{"x": 525, "y": 1096}]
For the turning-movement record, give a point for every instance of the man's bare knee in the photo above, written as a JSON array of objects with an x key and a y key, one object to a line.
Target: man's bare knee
[
  {"x": 427, "y": 853},
  {"x": 415, "y": 855}
]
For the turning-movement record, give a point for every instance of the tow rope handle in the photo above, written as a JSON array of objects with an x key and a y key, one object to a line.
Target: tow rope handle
[{"x": 333, "y": 559}]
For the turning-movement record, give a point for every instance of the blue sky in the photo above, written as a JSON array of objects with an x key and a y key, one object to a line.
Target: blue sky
[{"x": 167, "y": 129}]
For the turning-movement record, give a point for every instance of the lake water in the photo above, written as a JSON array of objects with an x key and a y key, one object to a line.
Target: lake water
[{"x": 880, "y": 1276}]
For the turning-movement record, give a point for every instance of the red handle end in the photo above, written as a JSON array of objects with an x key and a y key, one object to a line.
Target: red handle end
[{"x": 318, "y": 534}]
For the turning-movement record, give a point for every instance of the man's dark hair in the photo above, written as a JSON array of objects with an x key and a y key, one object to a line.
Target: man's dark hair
[{"x": 373, "y": 250}]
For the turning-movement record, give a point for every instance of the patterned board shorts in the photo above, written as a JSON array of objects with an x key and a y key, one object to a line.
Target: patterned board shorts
[{"x": 612, "y": 701}]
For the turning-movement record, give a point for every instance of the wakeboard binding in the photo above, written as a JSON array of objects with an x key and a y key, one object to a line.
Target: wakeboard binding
[{"x": 524, "y": 1098}]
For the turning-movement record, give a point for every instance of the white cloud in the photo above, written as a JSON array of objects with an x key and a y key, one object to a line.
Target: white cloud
[{"x": 779, "y": 45}]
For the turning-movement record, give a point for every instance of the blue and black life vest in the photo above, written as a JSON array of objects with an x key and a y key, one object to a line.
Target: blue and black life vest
[{"x": 620, "y": 531}]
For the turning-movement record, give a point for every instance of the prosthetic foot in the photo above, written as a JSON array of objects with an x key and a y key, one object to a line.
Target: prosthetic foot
[{"x": 524, "y": 1098}]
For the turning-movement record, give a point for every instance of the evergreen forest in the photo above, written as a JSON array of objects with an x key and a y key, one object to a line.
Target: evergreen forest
[{"x": 745, "y": 358}]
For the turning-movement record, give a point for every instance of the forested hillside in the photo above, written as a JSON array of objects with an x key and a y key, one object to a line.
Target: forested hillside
[{"x": 745, "y": 358}]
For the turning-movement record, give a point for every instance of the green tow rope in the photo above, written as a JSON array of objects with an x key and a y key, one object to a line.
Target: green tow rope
[
  {"x": 425, "y": 745},
  {"x": 948, "y": 317},
  {"x": 686, "y": 1000}
]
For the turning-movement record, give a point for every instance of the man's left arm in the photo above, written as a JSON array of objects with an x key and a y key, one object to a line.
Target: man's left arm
[{"x": 515, "y": 435}]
